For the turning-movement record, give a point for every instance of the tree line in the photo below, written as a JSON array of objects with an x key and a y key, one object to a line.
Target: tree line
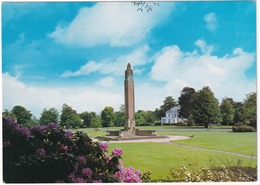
[{"x": 198, "y": 107}]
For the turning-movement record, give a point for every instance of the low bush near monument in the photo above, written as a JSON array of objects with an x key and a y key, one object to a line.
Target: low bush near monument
[
  {"x": 206, "y": 174},
  {"x": 241, "y": 127},
  {"x": 47, "y": 154}
]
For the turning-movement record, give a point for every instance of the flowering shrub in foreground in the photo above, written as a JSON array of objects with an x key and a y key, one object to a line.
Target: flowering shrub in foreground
[{"x": 47, "y": 154}]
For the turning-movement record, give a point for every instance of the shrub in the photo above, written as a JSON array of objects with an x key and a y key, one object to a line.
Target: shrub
[
  {"x": 181, "y": 123},
  {"x": 205, "y": 174},
  {"x": 241, "y": 127},
  {"x": 47, "y": 154}
]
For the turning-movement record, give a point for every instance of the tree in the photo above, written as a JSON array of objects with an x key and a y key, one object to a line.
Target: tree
[
  {"x": 206, "y": 107},
  {"x": 90, "y": 119},
  {"x": 148, "y": 5},
  {"x": 168, "y": 103},
  {"x": 22, "y": 114},
  {"x": 227, "y": 111},
  {"x": 250, "y": 114},
  {"x": 120, "y": 116},
  {"x": 69, "y": 117},
  {"x": 8, "y": 113},
  {"x": 49, "y": 115},
  {"x": 108, "y": 117},
  {"x": 239, "y": 111},
  {"x": 185, "y": 101}
]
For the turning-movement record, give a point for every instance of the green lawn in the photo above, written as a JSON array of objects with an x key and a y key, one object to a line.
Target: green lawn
[
  {"x": 242, "y": 143},
  {"x": 159, "y": 158}
]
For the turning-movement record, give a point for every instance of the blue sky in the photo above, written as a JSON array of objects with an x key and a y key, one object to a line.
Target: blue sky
[{"x": 76, "y": 53}]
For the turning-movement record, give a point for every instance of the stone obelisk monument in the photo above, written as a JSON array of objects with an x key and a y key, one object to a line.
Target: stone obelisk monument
[
  {"x": 129, "y": 131},
  {"x": 129, "y": 101}
]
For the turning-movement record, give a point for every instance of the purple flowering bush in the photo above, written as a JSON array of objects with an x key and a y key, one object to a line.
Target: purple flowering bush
[{"x": 48, "y": 154}]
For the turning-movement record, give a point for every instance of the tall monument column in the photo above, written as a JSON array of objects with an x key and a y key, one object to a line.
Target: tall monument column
[{"x": 129, "y": 100}]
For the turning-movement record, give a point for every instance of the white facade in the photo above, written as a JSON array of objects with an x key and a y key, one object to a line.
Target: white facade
[{"x": 171, "y": 116}]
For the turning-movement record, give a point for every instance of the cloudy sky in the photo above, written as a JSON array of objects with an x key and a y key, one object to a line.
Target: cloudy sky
[{"x": 76, "y": 53}]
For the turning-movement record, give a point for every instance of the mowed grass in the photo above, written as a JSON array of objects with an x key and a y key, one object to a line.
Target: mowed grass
[
  {"x": 158, "y": 158},
  {"x": 242, "y": 143}
]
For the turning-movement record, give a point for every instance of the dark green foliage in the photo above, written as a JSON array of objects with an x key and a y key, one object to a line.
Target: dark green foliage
[
  {"x": 49, "y": 115},
  {"x": 120, "y": 116},
  {"x": 185, "y": 101},
  {"x": 108, "y": 117},
  {"x": 168, "y": 103},
  {"x": 227, "y": 112},
  {"x": 249, "y": 114},
  {"x": 48, "y": 154},
  {"x": 22, "y": 114},
  {"x": 241, "y": 127},
  {"x": 144, "y": 117},
  {"x": 205, "y": 107},
  {"x": 90, "y": 119},
  {"x": 69, "y": 117}
]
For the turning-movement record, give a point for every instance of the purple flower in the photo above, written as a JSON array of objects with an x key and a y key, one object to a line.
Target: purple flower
[
  {"x": 64, "y": 148},
  {"x": 82, "y": 159},
  {"x": 25, "y": 131},
  {"x": 87, "y": 172},
  {"x": 117, "y": 152},
  {"x": 72, "y": 177},
  {"x": 37, "y": 129},
  {"x": 80, "y": 180},
  {"x": 128, "y": 175},
  {"x": 12, "y": 123},
  {"x": 52, "y": 125},
  {"x": 103, "y": 146},
  {"x": 68, "y": 135},
  {"x": 108, "y": 158},
  {"x": 97, "y": 181},
  {"x": 41, "y": 152}
]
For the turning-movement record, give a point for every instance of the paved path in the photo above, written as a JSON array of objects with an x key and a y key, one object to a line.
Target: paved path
[
  {"x": 173, "y": 138},
  {"x": 211, "y": 150}
]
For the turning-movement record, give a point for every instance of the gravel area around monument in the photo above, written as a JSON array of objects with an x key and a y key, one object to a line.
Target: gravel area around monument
[{"x": 159, "y": 140}]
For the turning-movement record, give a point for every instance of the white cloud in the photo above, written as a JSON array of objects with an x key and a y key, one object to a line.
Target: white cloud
[
  {"x": 112, "y": 23},
  {"x": 106, "y": 82},
  {"x": 211, "y": 22},
  {"x": 225, "y": 75},
  {"x": 204, "y": 47},
  {"x": 37, "y": 98},
  {"x": 116, "y": 67}
]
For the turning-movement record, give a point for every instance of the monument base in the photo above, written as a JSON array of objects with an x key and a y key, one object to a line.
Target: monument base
[
  {"x": 129, "y": 134},
  {"x": 132, "y": 132},
  {"x": 118, "y": 138}
]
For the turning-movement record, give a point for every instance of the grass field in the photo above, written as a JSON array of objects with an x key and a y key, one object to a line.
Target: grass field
[{"x": 159, "y": 157}]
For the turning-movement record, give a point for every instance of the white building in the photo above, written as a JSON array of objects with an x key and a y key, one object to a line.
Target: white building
[{"x": 171, "y": 116}]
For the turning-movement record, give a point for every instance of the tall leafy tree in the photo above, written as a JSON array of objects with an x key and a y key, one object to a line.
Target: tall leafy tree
[
  {"x": 250, "y": 114},
  {"x": 89, "y": 118},
  {"x": 206, "y": 107},
  {"x": 108, "y": 117},
  {"x": 185, "y": 101},
  {"x": 69, "y": 117},
  {"x": 227, "y": 111},
  {"x": 120, "y": 116},
  {"x": 168, "y": 103},
  {"x": 49, "y": 115},
  {"x": 239, "y": 111},
  {"x": 8, "y": 113},
  {"x": 22, "y": 114}
]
